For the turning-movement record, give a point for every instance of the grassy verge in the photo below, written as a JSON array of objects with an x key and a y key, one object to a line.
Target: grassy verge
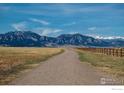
[
  {"x": 110, "y": 64},
  {"x": 14, "y": 60}
]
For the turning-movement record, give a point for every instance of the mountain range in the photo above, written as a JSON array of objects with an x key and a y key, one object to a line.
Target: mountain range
[{"x": 31, "y": 39}]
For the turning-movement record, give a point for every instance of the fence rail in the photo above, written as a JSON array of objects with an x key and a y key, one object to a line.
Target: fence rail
[{"x": 119, "y": 52}]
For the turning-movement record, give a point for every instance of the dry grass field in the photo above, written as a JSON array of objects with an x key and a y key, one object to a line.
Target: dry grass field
[
  {"x": 14, "y": 60},
  {"x": 107, "y": 63}
]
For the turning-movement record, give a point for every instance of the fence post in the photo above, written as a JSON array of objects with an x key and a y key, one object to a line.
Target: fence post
[{"x": 121, "y": 51}]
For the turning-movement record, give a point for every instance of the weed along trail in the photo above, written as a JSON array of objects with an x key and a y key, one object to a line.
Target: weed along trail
[{"x": 64, "y": 69}]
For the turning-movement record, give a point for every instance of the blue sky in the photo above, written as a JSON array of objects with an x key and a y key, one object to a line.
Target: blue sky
[{"x": 54, "y": 19}]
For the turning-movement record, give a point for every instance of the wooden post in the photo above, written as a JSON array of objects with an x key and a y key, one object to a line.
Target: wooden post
[{"x": 121, "y": 51}]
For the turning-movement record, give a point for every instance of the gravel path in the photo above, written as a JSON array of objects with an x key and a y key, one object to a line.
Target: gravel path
[{"x": 63, "y": 69}]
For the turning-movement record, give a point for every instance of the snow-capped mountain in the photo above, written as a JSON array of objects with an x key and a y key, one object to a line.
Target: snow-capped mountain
[{"x": 31, "y": 39}]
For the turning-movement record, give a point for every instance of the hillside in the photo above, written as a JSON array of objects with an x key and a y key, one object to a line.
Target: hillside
[{"x": 31, "y": 39}]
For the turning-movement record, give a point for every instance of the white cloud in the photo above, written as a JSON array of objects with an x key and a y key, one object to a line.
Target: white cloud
[
  {"x": 69, "y": 24},
  {"x": 21, "y": 26},
  {"x": 73, "y": 32},
  {"x": 113, "y": 37},
  {"x": 95, "y": 36},
  {"x": 92, "y": 28},
  {"x": 39, "y": 21},
  {"x": 47, "y": 31},
  {"x": 105, "y": 37}
]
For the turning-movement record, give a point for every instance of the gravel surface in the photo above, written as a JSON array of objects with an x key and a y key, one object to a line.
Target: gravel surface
[{"x": 64, "y": 69}]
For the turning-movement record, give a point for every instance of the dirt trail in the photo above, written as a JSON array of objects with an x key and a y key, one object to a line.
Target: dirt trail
[{"x": 64, "y": 69}]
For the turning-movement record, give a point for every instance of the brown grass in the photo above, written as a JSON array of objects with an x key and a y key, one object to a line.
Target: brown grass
[
  {"x": 13, "y": 59},
  {"x": 110, "y": 64}
]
